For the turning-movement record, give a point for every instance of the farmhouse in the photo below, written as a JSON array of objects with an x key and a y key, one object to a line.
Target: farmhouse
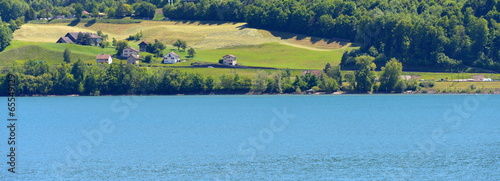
[
  {"x": 142, "y": 46},
  {"x": 171, "y": 58},
  {"x": 229, "y": 60},
  {"x": 72, "y": 37},
  {"x": 129, "y": 51},
  {"x": 133, "y": 59},
  {"x": 104, "y": 58}
]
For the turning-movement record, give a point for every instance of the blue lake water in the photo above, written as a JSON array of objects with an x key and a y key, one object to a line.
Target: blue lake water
[{"x": 285, "y": 137}]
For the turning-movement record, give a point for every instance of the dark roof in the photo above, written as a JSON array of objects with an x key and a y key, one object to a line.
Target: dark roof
[
  {"x": 64, "y": 40},
  {"x": 103, "y": 56},
  {"x": 143, "y": 43},
  {"x": 133, "y": 49},
  {"x": 74, "y": 35}
]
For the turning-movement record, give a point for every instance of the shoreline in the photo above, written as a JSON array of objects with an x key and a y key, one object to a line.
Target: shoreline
[{"x": 212, "y": 94}]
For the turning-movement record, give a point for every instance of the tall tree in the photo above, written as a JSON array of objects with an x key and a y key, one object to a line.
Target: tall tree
[
  {"x": 365, "y": 75},
  {"x": 67, "y": 55},
  {"x": 78, "y": 10},
  {"x": 120, "y": 45},
  {"x": 145, "y": 10},
  {"x": 191, "y": 52},
  {"x": 391, "y": 74}
]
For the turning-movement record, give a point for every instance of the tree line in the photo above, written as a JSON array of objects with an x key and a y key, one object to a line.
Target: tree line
[{"x": 38, "y": 78}]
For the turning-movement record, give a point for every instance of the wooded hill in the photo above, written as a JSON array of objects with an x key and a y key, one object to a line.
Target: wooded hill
[{"x": 423, "y": 33}]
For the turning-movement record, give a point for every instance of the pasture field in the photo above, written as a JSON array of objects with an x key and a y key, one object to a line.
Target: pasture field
[{"x": 199, "y": 35}]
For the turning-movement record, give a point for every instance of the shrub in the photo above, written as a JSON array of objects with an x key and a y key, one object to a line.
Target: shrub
[
  {"x": 400, "y": 86},
  {"x": 424, "y": 90},
  {"x": 428, "y": 84}
]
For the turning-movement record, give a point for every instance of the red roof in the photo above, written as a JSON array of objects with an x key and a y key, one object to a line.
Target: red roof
[
  {"x": 133, "y": 49},
  {"x": 103, "y": 56}
]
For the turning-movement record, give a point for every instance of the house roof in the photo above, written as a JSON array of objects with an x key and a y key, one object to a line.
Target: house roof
[
  {"x": 143, "y": 43},
  {"x": 132, "y": 49},
  {"x": 315, "y": 72},
  {"x": 65, "y": 40},
  {"x": 74, "y": 35},
  {"x": 85, "y": 12},
  {"x": 134, "y": 56},
  {"x": 94, "y": 36},
  {"x": 174, "y": 54},
  {"x": 229, "y": 55},
  {"x": 103, "y": 56}
]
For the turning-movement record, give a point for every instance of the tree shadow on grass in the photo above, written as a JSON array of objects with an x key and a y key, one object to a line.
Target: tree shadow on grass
[
  {"x": 90, "y": 23},
  {"x": 74, "y": 22}
]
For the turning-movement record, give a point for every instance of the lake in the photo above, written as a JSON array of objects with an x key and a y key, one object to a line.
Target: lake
[{"x": 269, "y": 137}]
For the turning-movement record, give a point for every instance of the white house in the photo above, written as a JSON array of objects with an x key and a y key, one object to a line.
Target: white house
[
  {"x": 229, "y": 60},
  {"x": 129, "y": 51},
  {"x": 104, "y": 58},
  {"x": 171, "y": 58},
  {"x": 133, "y": 59}
]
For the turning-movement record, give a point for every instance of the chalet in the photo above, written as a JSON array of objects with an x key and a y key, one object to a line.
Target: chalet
[
  {"x": 133, "y": 59},
  {"x": 142, "y": 46},
  {"x": 104, "y": 58},
  {"x": 129, "y": 51},
  {"x": 73, "y": 36},
  {"x": 171, "y": 58},
  {"x": 229, "y": 60}
]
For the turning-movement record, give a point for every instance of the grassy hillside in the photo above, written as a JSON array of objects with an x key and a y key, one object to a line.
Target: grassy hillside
[
  {"x": 274, "y": 55},
  {"x": 202, "y": 35},
  {"x": 51, "y": 53}
]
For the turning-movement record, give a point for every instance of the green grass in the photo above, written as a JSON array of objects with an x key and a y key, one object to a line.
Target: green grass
[
  {"x": 466, "y": 85},
  {"x": 217, "y": 72},
  {"x": 274, "y": 55},
  {"x": 51, "y": 53},
  {"x": 451, "y": 76}
]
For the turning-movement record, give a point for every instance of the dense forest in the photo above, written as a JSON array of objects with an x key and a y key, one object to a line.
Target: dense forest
[{"x": 422, "y": 33}]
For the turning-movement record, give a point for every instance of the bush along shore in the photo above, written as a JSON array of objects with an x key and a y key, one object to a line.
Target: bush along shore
[{"x": 38, "y": 78}]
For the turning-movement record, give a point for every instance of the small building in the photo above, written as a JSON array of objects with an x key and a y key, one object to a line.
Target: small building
[
  {"x": 171, "y": 58},
  {"x": 104, "y": 58},
  {"x": 142, "y": 46},
  {"x": 229, "y": 60},
  {"x": 129, "y": 51},
  {"x": 64, "y": 40},
  {"x": 315, "y": 72},
  {"x": 133, "y": 59}
]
